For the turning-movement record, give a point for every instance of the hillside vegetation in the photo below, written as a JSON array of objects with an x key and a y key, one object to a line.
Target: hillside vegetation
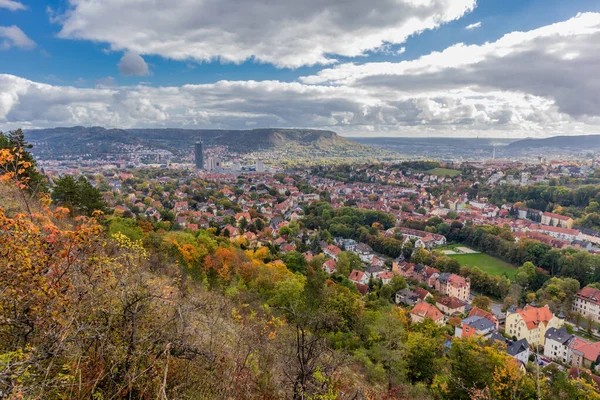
[{"x": 57, "y": 142}]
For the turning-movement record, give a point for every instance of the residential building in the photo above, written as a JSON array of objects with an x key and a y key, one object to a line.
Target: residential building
[
  {"x": 476, "y": 311},
  {"x": 453, "y": 285},
  {"x": 407, "y": 297},
  {"x": 518, "y": 349},
  {"x": 557, "y": 344},
  {"x": 357, "y": 276},
  {"x": 422, "y": 293},
  {"x": 475, "y": 325},
  {"x": 451, "y": 305},
  {"x": 587, "y": 303},
  {"x": 329, "y": 266},
  {"x": 553, "y": 219},
  {"x": 583, "y": 353},
  {"x": 423, "y": 310},
  {"x": 531, "y": 323},
  {"x": 332, "y": 251}
]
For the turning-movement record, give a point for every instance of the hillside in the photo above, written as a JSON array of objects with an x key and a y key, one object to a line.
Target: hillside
[
  {"x": 97, "y": 140},
  {"x": 571, "y": 142}
]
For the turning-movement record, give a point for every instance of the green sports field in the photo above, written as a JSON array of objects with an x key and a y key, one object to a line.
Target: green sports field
[
  {"x": 486, "y": 263},
  {"x": 443, "y": 172}
]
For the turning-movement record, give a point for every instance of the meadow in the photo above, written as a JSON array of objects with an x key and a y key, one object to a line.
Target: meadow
[
  {"x": 486, "y": 263},
  {"x": 443, "y": 172}
]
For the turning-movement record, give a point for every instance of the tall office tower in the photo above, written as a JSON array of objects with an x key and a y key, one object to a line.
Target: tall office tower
[
  {"x": 199, "y": 155},
  {"x": 260, "y": 166}
]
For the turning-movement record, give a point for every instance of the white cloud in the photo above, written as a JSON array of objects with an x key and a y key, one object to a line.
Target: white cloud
[
  {"x": 558, "y": 62},
  {"x": 537, "y": 83},
  {"x": 239, "y": 104},
  {"x": 470, "y": 27},
  {"x": 401, "y": 50},
  {"x": 12, "y": 5},
  {"x": 286, "y": 33},
  {"x": 12, "y": 36},
  {"x": 133, "y": 64}
]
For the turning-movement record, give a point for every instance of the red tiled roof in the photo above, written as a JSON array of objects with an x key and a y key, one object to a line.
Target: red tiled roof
[
  {"x": 533, "y": 316},
  {"x": 426, "y": 310}
]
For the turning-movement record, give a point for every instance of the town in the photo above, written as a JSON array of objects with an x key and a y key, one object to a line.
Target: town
[{"x": 440, "y": 240}]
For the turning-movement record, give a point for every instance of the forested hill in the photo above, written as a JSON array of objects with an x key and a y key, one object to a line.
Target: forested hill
[
  {"x": 573, "y": 142},
  {"x": 83, "y": 140}
]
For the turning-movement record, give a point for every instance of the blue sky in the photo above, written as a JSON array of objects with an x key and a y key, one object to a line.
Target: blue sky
[{"x": 78, "y": 45}]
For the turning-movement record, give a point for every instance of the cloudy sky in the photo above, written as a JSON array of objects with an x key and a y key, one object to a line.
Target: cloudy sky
[{"x": 510, "y": 68}]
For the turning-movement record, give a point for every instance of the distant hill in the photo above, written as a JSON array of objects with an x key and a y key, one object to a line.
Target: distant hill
[
  {"x": 98, "y": 140},
  {"x": 582, "y": 142}
]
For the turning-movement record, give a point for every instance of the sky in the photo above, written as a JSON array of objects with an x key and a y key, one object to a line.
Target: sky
[{"x": 487, "y": 68}]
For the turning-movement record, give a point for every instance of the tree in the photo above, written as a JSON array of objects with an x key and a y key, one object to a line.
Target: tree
[
  {"x": 296, "y": 262},
  {"x": 22, "y": 164},
  {"x": 526, "y": 274},
  {"x": 447, "y": 264},
  {"x": 78, "y": 195},
  {"x": 346, "y": 262},
  {"x": 482, "y": 302},
  {"x": 422, "y": 256},
  {"x": 424, "y": 355},
  {"x": 407, "y": 250}
]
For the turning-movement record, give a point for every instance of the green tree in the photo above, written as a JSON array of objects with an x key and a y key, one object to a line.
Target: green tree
[
  {"x": 346, "y": 262},
  {"x": 78, "y": 195},
  {"x": 482, "y": 302}
]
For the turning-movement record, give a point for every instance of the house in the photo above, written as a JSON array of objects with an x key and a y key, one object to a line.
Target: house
[
  {"x": 422, "y": 293},
  {"x": 374, "y": 271},
  {"x": 531, "y": 323},
  {"x": 476, "y": 311},
  {"x": 386, "y": 277},
  {"x": 587, "y": 303},
  {"x": 553, "y": 219},
  {"x": 332, "y": 251},
  {"x": 232, "y": 231},
  {"x": 453, "y": 285},
  {"x": 428, "y": 240},
  {"x": 518, "y": 349},
  {"x": 557, "y": 344},
  {"x": 407, "y": 297},
  {"x": 475, "y": 325},
  {"x": 329, "y": 266},
  {"x": 345, "y": 244},
  {"x": 451, "y": 305},
  {"x": 357, "y": 276},
  {"x": 583, "y": 353},
  {"x": 377, "y": 262},
  {"x": 287, "y": 248},
  {"x": 423, "y": 310},
  {"x": 365, "y": 252},
  {"x": 362, "y": 289}
]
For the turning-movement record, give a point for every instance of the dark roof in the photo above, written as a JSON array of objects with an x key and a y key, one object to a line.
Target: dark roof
[
  {"x": 559, "y": 335},
  {"x": 479, "y": 323},
  {"x": 512, "y": 348},
  {"x": 517, "y": 347},
  {"x": 498, "y": 337},
  {"x": 373, "y": 269}
]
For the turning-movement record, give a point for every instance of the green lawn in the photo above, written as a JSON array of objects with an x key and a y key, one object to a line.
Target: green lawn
[
  {"x": 486, "y": 263},
  {"x": 443, "y": 172}
]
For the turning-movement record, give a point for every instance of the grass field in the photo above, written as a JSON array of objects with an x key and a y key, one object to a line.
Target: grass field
[
  {"x": 486, "y": 263},
  {"x": 443, "y": 172}
]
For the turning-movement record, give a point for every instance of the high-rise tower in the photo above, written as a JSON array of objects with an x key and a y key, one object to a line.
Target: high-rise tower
[{"x": 199, "y": 155}]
